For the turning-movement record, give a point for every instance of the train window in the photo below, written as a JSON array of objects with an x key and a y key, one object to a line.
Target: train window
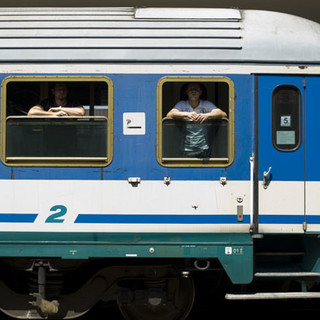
[
  {"x": 75, "y": 139},
  {"x": 286, "y": 118},
  {"x": 185, "y": 142}
]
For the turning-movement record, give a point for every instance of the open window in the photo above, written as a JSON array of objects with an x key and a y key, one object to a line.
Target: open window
[
  {"x": 216, "y": 135},
  {"x": 68, "y": 140}
]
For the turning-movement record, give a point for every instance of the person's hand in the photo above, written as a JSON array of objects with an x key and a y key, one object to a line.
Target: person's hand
[
  {"x": 202, "y": 117},
  {"x": 198, "y": 117},
  {"x": 61, "y": 113},
  {"x": 58, "y": 112},
  {"x": 193, "y": 116}
]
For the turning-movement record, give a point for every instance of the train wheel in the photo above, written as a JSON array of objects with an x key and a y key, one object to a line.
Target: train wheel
[{"x": 173, "y": 303}]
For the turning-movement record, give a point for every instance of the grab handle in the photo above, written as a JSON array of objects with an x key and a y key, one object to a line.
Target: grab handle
[{"x": 266, "y": 179}]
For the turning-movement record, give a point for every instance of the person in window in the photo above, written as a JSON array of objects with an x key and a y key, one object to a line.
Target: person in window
[
  {"x": 197, "y": 111},
  {"x": 59, "y": 105}
]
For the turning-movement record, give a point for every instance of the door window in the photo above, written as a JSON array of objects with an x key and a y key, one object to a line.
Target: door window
[{"x": 286, "y": 118}]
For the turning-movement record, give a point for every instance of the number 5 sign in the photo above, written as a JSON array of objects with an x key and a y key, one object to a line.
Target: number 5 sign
[{"x": 285, "y": 121}]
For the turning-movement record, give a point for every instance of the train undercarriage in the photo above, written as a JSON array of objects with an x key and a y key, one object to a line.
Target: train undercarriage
[
  {"x": 286, "y": 267},
  {"x": 61, "y": 289}
]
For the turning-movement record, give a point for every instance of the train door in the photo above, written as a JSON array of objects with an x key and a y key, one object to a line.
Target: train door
[
  {"x": 281, "y": 187},
  {"x": 312, "y": 129}
]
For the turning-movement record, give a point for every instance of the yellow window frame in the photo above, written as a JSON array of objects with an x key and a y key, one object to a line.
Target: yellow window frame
[
  {"x": 60, "y": 161},
  {"x": 185, "y": 162}
]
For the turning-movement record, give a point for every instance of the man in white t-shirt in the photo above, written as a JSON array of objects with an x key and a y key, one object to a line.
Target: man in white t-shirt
[{"x": 198, "y": 111}]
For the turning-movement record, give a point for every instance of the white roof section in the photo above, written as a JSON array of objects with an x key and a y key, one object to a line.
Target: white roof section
[
  {"x": 156, "y": 34},
  {"x": 188, "y": 13}
]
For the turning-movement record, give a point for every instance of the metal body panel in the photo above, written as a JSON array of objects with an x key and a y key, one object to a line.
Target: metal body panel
[
  {"x": 216, "y": 205},
  {"x": 124, "y": 34},
  {"x": 312, "y": 176},
  {"x": 280, "y": 203},
  {"x": 117, "y": 206},
  {"x": 140, "y": 95},
  {"x": 296, "y": 200}
]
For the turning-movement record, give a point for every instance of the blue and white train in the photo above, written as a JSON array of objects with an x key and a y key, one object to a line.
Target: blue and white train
[{"x": 105, "y": 207}]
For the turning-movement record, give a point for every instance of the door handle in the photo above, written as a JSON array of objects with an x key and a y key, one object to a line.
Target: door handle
[{"x": 266, "y": 178}]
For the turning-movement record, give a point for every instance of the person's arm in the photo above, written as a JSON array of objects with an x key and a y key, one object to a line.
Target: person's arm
[
  {"x": 70, "y": 111},
  {"x": 38, "y": 111},
  {"x": 197, "y": 117},
  {"x": 214, "y": 114},
  {"x": 177, "y": 114}
]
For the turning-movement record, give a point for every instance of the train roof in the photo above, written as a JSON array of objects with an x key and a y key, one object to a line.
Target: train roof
[{"x": 156, "y": 35}]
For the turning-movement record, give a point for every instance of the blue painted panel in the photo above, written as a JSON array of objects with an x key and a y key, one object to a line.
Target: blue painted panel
[
  {"x": 281, "y": 219},
  {"x": 41, "y": 173},
  {"x": 312, "y": 129},
  {"x": 18, "y": 217},
  {"x": 286, "y": 219},
  {"x": 160, "y": 219},
  {"x": 136, "y": 155}
]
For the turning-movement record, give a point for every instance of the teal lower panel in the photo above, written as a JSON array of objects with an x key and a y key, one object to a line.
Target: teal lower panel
[{"x": 234, "y": 251}]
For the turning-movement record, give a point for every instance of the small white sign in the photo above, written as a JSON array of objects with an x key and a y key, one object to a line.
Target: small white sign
[
  {"x": 285, "y": 121},
  {"x": 134, "y": 123}
]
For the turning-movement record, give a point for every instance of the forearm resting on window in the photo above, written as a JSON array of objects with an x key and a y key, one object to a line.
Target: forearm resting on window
[
  {"x": 74, "y": 111},
  {"x": 57, "y": 111}
]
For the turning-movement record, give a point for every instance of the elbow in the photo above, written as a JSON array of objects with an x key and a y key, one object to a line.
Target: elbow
[
  {"x": 169, "y": 114},
  {"x": 173, "y": 113},
  {"x": 31, "y": 112},
  {"x": 222, "y": 114}
]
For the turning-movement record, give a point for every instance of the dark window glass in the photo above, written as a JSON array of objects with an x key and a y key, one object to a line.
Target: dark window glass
[
  {"x": 286, "y": 118},
  {"x": 175, "y": 134},
  {"x": 56, "y": 137}
]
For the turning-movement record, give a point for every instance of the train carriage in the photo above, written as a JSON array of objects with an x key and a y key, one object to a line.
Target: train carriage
[{"x": 106, "y": 207}]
